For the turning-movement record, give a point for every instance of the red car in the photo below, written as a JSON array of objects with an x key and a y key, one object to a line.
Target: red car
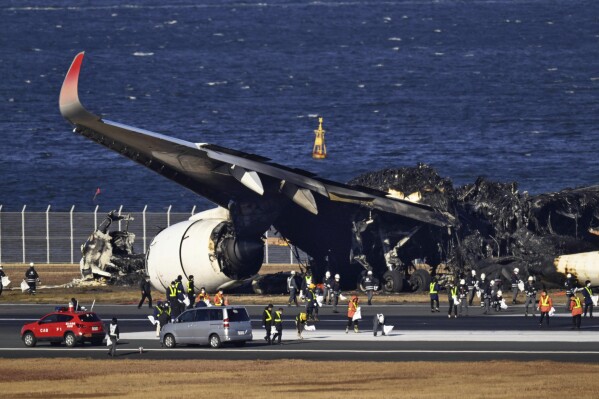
[{"x": 64, "y": 325}]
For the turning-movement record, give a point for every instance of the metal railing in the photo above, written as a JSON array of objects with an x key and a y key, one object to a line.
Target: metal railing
[{"x": 56, "y": 237}]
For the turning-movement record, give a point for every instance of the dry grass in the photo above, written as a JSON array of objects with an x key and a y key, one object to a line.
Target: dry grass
[{"x": 81, "y": 378}]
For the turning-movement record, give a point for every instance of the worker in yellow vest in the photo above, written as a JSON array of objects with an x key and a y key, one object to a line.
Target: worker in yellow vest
[
  {"x": 545, "y": 305},
  {"x": 278, "y": 321},
  {"x": 433, "y": 291},
  {"x": 576, "y": 308},
  {"x": 219, "y": 298},
  {"x": 267, "y": 320}
]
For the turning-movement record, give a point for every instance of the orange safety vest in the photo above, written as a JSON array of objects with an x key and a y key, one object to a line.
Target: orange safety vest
[
  {"x": 351, "y": 308},
  {"x": 218, "y": 300},
  {"x": 545, "y": 303},
  {"x": 575, "y": 306}
]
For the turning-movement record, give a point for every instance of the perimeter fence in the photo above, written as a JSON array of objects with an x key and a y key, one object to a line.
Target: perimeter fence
[{"x": 56, "y": 237}]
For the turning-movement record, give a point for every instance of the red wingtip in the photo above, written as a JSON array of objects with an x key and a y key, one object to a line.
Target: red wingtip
[{"x": 69, "y": 94}]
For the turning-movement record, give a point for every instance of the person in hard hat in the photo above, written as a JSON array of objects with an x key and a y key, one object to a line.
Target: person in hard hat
[
  {"x": 587, "y": 292},
  {"x": 327, "y": 283},
  {"x": 267, "y": 321},
  {"x": 576, "y": 308},
  {"x": 487, "y": 295},
  {"x": 472, "y": 283},
  {"x": 370, "y": 284},
  {"x": 306, "y": 281},
  {"x": 2, "y": 275},
  {"x": 336, "y": 291},
  {"x": 463, "y": 291},
  {"x": 433, "y": 292},
  {"x": 531, "y": 296},
  {"x": 219, "y": 298},
  {"x": 292, "y": 289},
  {"x": 570, "y": 286},
  {"x": 498, "y": 300},
  {"x": 300, "y": 322},
  {"x": 32, "y": 279},
  {"x": 311, "y": 302},
  {"x": 278, "y": 323},
  {"x": 481, "y": 286},
  {"x": 515, "y": 281},
  {"x": 162, "y": 313},
  {"x": 545, "y": 304},
  {"x": 452, "y": 299},
  {"x": 352, "y": 308}
]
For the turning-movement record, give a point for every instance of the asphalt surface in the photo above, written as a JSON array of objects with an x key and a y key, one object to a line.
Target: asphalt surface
[{"x": 418, "y": 334}]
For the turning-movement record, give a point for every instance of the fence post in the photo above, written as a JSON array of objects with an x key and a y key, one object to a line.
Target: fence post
[
  {"x": 96, "y": 218},
  {"x": 266, "y": 249},
  {"x": 168, "y": 216},
  {"x": 23, "y": 231},
  {"x": 0, "y": 234},
  {"x": 71, "y": 219},
  {"x": 143, "y": 218},
  {"x": 48, "y": 234},
  {"x": 120, "y": 210},
  {"x": 193, "y": 210}
]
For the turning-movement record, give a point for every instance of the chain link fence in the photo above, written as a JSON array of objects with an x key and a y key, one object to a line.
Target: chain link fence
[{"x": 56, "y": 237}]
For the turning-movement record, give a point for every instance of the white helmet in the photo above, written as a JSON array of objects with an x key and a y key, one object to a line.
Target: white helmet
[
  {"x": 530, "y": 278},
  {"x": 369, "y": 272},
  {"x": 492, "y": 282},
  {"x": 569, "y": 275},
  {"x": 516, "y": 270},
  {"x": 483, "y": 275},
  {"x": 31, "y": 264},
  {"x": 499, "y": 293},
  {"x": 293, "y": 272},
  {"x": 462, "y": 281},
  {"x": 337, "y": 277},
  {"x": 327, "y": 274},
  {"x": 473, "y": 273}
]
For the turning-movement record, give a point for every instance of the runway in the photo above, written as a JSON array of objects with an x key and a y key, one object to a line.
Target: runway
[{"x": 418, "y": 334}]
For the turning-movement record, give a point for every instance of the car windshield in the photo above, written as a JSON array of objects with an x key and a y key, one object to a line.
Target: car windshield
[
  {"x": 238, "y": 314},
  {"x": 89, "y": 317}
]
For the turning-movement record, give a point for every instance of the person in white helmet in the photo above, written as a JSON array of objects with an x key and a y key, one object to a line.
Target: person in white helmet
[
  {"x": 570, "y": 286},
  {"x": 292, "y": 288},
  {"x": 336, "y": 292},
  {"x": 482, "y": 286},
  {"x": 463, "y": 290},
  {"x": 472, "y": 283},
  {"x": 327, "y": 281},
  {"x": 488, "y": 293},
  {"x": 370, "y": 284},
  {"x": 515, "y": 281},
  {"x": 32, "y": 278},
  {"x": 531, "y": 296}
]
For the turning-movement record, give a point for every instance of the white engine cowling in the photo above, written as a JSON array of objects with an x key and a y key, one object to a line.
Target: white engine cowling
[{"x": 206, "y": 247}]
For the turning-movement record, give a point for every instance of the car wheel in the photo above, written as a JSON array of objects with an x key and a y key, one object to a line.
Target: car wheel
[
  {"x": 239, "y": 344},
  {"x": 69, "y": 339},
  {"x": 169, "y": 341},
  {"x": 215, "y": 341},
  {"x": 29, "y": 339}
]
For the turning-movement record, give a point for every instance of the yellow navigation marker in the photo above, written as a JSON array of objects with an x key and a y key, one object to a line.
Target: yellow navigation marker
[{"x": 320, "y": 149}]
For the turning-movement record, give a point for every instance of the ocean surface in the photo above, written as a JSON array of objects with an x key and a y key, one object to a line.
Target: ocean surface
[{"x": 505, "y": 89}]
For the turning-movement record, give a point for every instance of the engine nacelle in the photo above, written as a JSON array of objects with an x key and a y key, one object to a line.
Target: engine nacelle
[{"x": 206, "y": 247}]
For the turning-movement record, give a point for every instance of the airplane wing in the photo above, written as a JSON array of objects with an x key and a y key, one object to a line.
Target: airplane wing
[{"x": 223, "y": 175}]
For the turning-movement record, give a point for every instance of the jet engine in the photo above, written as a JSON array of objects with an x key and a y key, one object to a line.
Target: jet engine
[{"x": 207, "y": 247}]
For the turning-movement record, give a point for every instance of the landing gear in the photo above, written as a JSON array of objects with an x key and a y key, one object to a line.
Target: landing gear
[
  {"x": 393, "y": 281},
  {"x": 420, "y": 280}
]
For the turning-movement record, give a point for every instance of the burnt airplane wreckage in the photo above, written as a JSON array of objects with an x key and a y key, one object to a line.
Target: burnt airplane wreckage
[{"x": 346, "y": 229}]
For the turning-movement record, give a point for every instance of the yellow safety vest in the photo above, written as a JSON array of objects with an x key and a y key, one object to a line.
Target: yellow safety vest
[
  {"x": 432, "y": 288},
  {"x": 189, "y": 286},
  {"x": 577, "y": 304},
  {"x": 454, "y": 291},
  {"x": 545, "y": 300},
  {"x": 268, "y": 316},
  {"x": 172, "y": 291},
  {"x": 277, "y": 317},
  {"x": 589, "y": 291}
]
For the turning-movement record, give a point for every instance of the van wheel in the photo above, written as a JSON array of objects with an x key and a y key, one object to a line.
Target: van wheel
[
  {"x": 29, "y": 339},
  {"x": 214, "y": 341},
  {"x": 239, "y": 344},
  {"x": 169, "y": 341},
  {"x": 69, "y": 339}
]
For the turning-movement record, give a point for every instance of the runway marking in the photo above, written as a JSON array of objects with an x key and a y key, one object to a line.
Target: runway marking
[{"x": 285, "y": 350}]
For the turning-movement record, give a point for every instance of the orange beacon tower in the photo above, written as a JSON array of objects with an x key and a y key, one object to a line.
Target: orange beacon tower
[{"x": 320, "y": 149}]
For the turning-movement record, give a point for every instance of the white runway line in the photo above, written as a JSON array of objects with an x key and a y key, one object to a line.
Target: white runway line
[{"x": 540, "y": 335}]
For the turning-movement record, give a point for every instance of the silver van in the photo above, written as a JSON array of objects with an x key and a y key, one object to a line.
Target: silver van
[{"x": 209, "y": 325}]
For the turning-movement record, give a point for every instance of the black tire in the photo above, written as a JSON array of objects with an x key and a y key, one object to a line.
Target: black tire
[
  {"x": 214, "y": 341},
  {"x": 55, "y": 343},
  {"x": 239, "y": 344},
  {"x": 420, "y": 280},
  {"x": 29, "y": 339},
  {"x": 70, "y": 340},
  {"x": 393, "y": 281},
  {"x": 169, "y": 341}
]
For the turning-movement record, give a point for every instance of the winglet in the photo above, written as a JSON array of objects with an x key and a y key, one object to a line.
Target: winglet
[{"x": 69, "y": 104}]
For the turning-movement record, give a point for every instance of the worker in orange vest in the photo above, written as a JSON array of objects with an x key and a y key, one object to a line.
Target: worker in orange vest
[
  {"x": 203, "y": 298},
  {"x": 352, "y": 308},
  {"x": 576, "y": 308},
  {"x": 545, "y": 305},
  {"x": 219, "y": 299}
]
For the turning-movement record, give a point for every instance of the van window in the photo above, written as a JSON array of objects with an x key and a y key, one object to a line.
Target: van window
[
  {"x": 201, "y": 315},
  {"x": 216, "y": 314},
  {"x": 64, "y": 318},
  {"x": 238, "y": 314},
  {"x": 89, "y": 317},
  {"x": 187, "y": 317}
]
